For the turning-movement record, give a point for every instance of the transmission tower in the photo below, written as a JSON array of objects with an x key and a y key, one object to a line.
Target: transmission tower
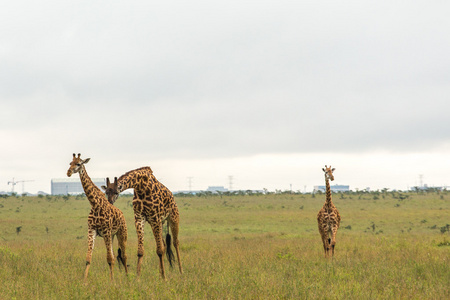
[
  {"x": 190, "y": 183},
  {"x": 230, "y": 182}
]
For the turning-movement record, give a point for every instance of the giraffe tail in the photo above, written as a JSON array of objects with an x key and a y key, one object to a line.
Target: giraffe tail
[
  {"x": 120, "y": 258},
  {"x": 169, "y": 252}
]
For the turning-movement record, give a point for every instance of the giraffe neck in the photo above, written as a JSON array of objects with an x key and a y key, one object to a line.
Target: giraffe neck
[
  {"x": 328, "y": 202},
  {"x": 134, "y": 179},
  {"x": 90, "y": 189}
]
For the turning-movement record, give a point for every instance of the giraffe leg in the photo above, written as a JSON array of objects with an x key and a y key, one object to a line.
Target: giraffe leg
[
  {"x": 328, "y": 233},
  {"x": 109, "y": 253},
  {"x": 329, "y": 237},
  {"x": 139, "y": 223},
  {"x": 91, "y": 239},
  {"x": 326, "y": 244},
  {"x": 323, "y": 232},
  {"x": 333, "y": 239},
  {"x": 160, "y": 249},
  {"x": 176, "y": 243},
  {"x": 122, "y": 239}
]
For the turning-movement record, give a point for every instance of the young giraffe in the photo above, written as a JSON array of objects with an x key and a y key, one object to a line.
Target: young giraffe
[
  {"x": 154, "y": 203},
  {"x": 105, "y": 220},
  {"x": 328, "y": 217}
]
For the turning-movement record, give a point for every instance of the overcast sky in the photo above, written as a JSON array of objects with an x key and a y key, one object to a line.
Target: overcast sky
[{"x": 265, "y": 91}]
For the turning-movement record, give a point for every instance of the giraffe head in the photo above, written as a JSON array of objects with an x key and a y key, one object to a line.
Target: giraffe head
[
  {"x": 111, "y": 190},
  {"x": 328, "y": 172},
  {"x": 76, "y": 164}
]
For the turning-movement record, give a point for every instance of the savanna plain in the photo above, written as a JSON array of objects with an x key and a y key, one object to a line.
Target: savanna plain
[{"x": 390, "y": 245}]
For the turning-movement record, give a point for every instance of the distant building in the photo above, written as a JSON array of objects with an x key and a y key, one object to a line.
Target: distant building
[
  {"x": 216, "y": 189},
  {"x": 72, "y": 186},
  {"x": 334, "y": 188}
]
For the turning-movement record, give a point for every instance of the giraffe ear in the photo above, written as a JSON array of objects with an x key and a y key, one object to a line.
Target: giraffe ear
[
  {"x": 323, "y": 169},
  {"x": 332, "y": 170},
  {"x": 86, "y": 160},
  {"x": 104, "y": 188}
]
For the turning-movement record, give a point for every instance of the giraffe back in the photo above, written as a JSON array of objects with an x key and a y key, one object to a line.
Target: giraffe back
[{"x": 153, "y": 199}]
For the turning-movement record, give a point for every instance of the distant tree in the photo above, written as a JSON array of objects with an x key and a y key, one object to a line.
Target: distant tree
[{"x": 445, "y": 228}]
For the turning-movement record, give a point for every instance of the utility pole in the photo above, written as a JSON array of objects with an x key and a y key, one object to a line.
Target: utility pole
[{"x": 23, "y": 185}]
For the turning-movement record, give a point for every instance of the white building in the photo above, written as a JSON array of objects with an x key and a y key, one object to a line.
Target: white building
[
  {"x": 216, "y": 189},
  {"x": 72, "y": 186},
  {"x": 334, "y": 188}
]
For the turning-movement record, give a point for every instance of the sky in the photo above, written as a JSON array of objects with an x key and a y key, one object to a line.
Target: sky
[{"x": 267, "y": 92}]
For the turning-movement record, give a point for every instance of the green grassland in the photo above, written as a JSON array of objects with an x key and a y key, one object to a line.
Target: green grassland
[{"x": 389, "y": 246}]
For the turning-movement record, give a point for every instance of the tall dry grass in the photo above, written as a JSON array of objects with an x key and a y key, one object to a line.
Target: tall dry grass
[{"x": 236, "y": 247}]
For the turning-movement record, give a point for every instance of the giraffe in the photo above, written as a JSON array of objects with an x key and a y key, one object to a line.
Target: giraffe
[
  {"x": 154, "y": 203},
  {"x": 328, "y": 217},
  {"x": 105, "y": 220}
]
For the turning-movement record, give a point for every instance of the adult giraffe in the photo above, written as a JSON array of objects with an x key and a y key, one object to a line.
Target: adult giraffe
[
  {"x": 154, "y": 203},
  {"x": 328, "y": 217},
  {"x": 105, "y": 220}
]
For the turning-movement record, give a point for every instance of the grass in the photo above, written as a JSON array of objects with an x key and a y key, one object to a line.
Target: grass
[{"x": 236, "y": 247}]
